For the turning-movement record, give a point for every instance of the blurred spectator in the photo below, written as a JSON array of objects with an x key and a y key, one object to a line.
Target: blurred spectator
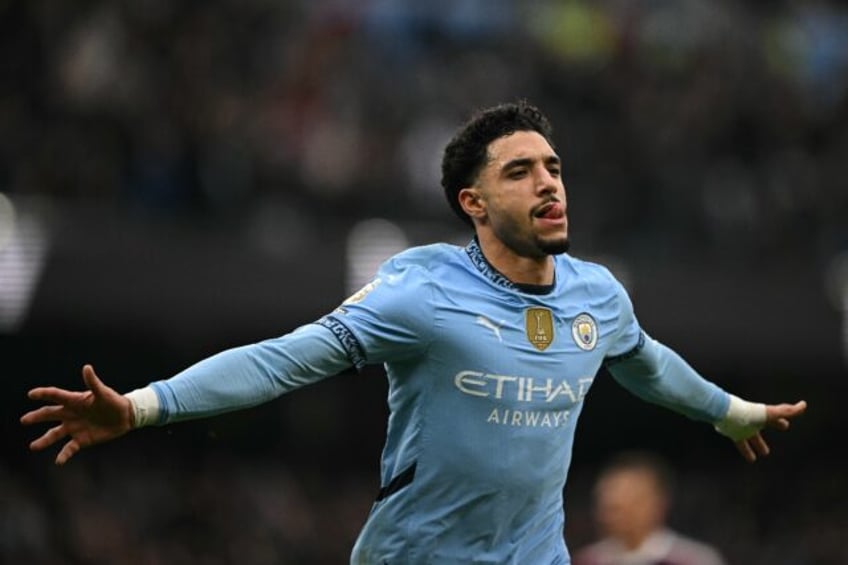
[
  {"x": 632, "y": 500},
  {"x": 724, "y": 120}
]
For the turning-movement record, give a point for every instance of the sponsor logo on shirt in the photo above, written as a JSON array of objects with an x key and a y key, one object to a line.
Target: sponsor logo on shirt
[
  {"x": 523, "y": 390},
  {"x": 528, "y": 418},
  {"x": 487, "y": 323}
]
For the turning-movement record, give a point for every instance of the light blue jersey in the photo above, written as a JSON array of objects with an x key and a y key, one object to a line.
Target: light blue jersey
[{"x": 486, "y": 382}]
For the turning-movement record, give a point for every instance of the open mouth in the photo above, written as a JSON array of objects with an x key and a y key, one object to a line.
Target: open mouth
[{"x": 550, "y": 211}]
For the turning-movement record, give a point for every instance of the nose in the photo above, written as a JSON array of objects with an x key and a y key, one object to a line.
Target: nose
[{"x": 547, "y": 183}]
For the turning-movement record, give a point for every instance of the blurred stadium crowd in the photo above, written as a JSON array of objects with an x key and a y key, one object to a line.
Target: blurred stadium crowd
[
  {"x": 709, "y": 128},
  {"x": 228, "y": 510},
  {"x": 729, "y": 118}
]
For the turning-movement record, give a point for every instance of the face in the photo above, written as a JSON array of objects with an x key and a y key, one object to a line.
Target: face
[
  {"x": 629, "y": 505},
  {"x": 519, "y": 195}
]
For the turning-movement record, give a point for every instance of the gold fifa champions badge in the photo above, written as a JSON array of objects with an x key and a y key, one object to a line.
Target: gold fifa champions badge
[{"x": 539, "y": 323}]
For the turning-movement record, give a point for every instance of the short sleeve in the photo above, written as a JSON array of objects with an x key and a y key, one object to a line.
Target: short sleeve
[{"x": 389, "y": 319}]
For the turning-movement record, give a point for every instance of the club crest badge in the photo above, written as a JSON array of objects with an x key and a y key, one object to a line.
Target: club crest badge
[
  {"x": 539, "y": 323},
  {"x": 584, "y": 330}
]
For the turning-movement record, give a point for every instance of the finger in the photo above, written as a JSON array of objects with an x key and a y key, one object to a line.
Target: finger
[
  {"x": 759, "y": 444},
  {"x": 44, "y": 414},
  {"x": 68, "y": 450},
  {"x": 93, "y": 383},
  {"x": 90, "y": 377},
  {"x": 49, "y": 437},
  {"x": 54, "y": 395},
  {"x": 781, "y": 424},
  {"x": 746, "y": 451},
  {"x": 777, "y": 411}
]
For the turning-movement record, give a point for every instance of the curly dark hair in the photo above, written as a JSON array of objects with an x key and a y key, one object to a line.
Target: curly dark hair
[{"x": 467, "y": 153}]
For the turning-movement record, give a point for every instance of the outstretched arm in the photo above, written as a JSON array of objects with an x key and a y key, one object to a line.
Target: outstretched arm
[
  {"x": 231, "y": 380},
  {"x": 657, "y": 374},
  {"x": 94, "y": 416}
]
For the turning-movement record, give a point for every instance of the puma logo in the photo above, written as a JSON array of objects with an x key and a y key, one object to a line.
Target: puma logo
[{"x": 487, "y": 323}]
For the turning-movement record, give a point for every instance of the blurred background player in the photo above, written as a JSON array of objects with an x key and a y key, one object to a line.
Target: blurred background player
[{"x": 633, "y": 495}]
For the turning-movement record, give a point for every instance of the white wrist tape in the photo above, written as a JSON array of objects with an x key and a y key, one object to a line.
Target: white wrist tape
[
  {"x": 743, "y": 419},
  {"x": 145, "y": 406}
]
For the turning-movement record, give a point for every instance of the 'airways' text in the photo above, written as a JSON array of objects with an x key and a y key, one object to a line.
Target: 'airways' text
[{"x": 528, "y": 418}]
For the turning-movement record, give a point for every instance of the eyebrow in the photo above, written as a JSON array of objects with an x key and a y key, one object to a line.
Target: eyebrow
[{"x": 527, "y": 161}]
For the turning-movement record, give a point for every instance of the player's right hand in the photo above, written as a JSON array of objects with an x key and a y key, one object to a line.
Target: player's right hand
[{"x": 89, "y": 417}]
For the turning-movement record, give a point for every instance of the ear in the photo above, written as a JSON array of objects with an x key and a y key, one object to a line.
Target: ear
[{"x": 472, "y": 202}]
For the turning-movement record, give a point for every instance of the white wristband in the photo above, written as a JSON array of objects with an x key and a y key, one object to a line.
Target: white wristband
[
  {"x": 743, "y": 419},
  {"x": 145, "y": 406}
]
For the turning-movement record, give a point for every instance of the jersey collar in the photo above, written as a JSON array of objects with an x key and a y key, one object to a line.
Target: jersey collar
[{"x": 496, "y": 277}]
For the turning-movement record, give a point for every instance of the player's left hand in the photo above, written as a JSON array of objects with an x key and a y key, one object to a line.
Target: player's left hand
[{"x": 778, "y": 416}]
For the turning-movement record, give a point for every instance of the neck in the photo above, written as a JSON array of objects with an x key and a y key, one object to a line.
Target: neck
[
  {"x": 634, "y": 541},
  {"x": 517, "y": 268},
  {"x": 637, "y": 537}
]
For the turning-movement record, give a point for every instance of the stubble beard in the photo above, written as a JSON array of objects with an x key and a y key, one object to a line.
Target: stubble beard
[
  {"x": 538, "y": 247},
  {"x": 535, "y": 246},
  {"x": 556, "y": 246}
]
